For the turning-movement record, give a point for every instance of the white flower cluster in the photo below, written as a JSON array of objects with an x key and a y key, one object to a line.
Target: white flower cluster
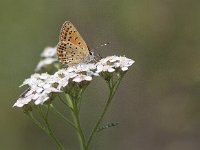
[
  {"x": 49, "y": 52},
  {"x": 42, "y": 85},
  {"x": 110, "y": 63},
  {"x": 49, "y": 57}
]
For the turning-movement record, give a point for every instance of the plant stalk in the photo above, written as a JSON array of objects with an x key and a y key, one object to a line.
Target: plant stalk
[
  {"x": 113, "y": 88},
  {"x": 76, "y": 117}
]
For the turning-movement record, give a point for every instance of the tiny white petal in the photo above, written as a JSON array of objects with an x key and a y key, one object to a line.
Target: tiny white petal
[
  {"x": 45, "y": 62},
  {"x": 22, "y": 101},
  {"x": 30, "y": 92},
  {"x": 18, "y": 104},
  {"x": 46, "y": 86},
  {"x": 36, "y": 96},
  {"x": 99, "y": 68},
  {"x": 49, "y": 52},
  {"x": 44, "y": 76},
  {"x": 124, "y": 68},
  {"x": 130, "y": 62},
  {"x": 41, "y": 99},
  {"x": 41, "y": 84},
  {"x": 117, "y": 64},
  {"x": 77, "y": 79},
  {"x": 62, "y": 83},
  {"x": 88, "y": 78},
  {"x": 70, "y": 69},
  {"x": 39, "y": 90},
  {"x": 111, "y": 69},
  {"x": 51, "y": 90}
]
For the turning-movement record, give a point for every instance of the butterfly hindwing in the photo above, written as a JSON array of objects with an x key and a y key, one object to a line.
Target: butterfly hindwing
[{"x": 68, "y": 53}]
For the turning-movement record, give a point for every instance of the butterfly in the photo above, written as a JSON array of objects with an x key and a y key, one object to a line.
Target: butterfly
[{"x": 71, "y": 48}]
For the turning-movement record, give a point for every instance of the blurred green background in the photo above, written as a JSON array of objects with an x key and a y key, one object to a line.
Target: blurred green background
[{"x": 158, "y": 102}]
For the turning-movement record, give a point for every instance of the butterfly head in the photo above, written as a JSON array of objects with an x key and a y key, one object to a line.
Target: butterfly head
[{"x": 94, "y": 56}]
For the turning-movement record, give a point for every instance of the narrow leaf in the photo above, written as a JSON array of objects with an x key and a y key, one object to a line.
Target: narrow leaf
[{"x": 108, "y": 125}]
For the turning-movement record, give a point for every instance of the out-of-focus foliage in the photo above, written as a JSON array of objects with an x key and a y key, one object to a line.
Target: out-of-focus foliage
[{"x": 157, "y": 104}]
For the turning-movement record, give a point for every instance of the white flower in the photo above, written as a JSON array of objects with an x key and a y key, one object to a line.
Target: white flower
[
  {"x": 85, "y": 67},
  {"x": 21, "y": 102},
  {"x": 104, "y": 68},
  {"x": 81, "y": 77},
  {"x": 123, "y": 63},
  {"x": 44, "y": 76},
  {"x": 62, "y": 77},
  {"x": 111, "y": 62},
  {"x": 109, "y": 59},
  {"x": 49, "y": 52},
  {"x": 62, "y": 83},
  {"x": 37, "y": 95},
  {"x": 82, "y": 67},
  {"x": 42, "y": 85},
  {"x": 65, "y": 73},
  {"x": 49, "y": 57},
  {"x": 43, "y": 97},
  {"x": 32, "y": 80},
  {"x": 45, "y": 62},
  {"x": 38, "y": 91}
]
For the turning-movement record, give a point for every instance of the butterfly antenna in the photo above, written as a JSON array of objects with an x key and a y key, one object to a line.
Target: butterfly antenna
[
  {"x": 97, "y": 56},
  {"x": 105, "y": 44}
]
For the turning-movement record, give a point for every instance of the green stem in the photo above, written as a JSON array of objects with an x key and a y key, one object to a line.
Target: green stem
[
  {"x": 80, "y": 131},
  {"x": 52, "y": 135},
  {"x": 30, "y": 115},
  {"x": 113, "y": 89},
  {"x": 63, "y": 117},
  {"x": 76, "y": 117},
  {"x": 63, "y": 101},
  {"x": 50, "y": 131}
]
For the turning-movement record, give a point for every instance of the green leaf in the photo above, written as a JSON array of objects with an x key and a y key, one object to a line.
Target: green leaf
[{"x": 108, "y": 125}]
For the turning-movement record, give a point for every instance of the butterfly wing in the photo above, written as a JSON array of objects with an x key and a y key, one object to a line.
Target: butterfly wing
[
  {"x": 71, "y": 48},
  {"x": 69, "y": 33},
  {"x": 69, "y": 53}
]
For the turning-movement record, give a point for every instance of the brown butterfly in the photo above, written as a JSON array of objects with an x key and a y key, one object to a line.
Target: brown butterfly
[{"x": 71, "y": 48}]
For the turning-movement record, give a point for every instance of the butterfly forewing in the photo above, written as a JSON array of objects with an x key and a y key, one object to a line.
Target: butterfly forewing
[
  {"x": 71, "y": 48},
  {"x": 70, "y": 33}
]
